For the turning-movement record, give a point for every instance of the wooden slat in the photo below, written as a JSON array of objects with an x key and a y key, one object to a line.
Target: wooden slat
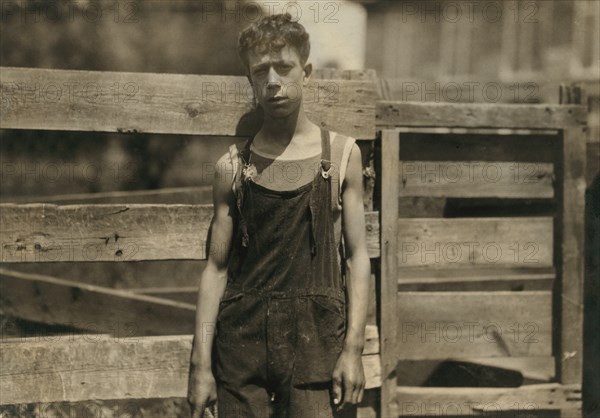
[
  {"x": 167, "y": 103},
  {"x": 476, "y": 279},
  {"x": 468, "y": 115},
  {"x": 373, "y": 233},
  {"x": 147, "y": 408},
  {"x": 180, "y": 195},
  {"x": 416, "y": 401},
  {"x": 482, "y": 242},
  {"x": 441, "y": 325},
  {"x": 572, "y": 238},
  {"x": 425, "y": 372},
  {"x": 490, "y": 145},
  {"x": 51, "y": 300},
  {"x": 46, "y": 233},
  {"x": 77, "y": 368},
  {"x": 123, "y": 276},
  {"x": 390, "y": 153},
  {"x": 127, "y": 232},
  {"x": 476, "y": 179}
]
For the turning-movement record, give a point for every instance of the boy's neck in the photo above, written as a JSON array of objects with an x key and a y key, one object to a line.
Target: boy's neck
[{"x": 280, "y": 132}]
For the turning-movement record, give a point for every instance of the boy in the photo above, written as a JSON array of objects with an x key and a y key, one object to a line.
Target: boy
[{"x": 290, "y": 326}]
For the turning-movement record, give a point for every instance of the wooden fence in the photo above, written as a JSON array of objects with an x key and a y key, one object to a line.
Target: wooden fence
[{"x": 495, "y": 293}]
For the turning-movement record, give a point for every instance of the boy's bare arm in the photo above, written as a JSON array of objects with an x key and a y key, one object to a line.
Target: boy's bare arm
[
  {"x": 358, "y": 271},
  {"x": 348, "y": 375},
  {"x": 213, "y": 280}
]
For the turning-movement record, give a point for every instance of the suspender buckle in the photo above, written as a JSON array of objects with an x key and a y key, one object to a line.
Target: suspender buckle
[{"x": 326, "y": 169}]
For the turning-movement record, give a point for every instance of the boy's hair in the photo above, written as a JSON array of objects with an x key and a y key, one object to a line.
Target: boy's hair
[{"x": 272, "y": 33}]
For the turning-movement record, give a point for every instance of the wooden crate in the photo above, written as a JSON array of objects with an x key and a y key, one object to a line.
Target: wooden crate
[{"x": 495, "y": 295}]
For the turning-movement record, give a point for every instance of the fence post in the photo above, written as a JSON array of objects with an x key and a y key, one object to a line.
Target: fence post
[
  {"x": 390, "y": 155},
  {"x": 572, "y": 201}
]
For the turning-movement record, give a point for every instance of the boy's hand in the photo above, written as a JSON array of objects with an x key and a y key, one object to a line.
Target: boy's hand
[
  {"x": 202, "y": 391},
  {"x": 348, "y": 379}
]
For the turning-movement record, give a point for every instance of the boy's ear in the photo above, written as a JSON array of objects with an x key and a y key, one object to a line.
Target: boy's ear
[{"x": 307, "y": 73}]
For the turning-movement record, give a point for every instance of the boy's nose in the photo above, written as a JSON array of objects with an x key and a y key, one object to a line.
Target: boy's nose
[
  {"x": 273, "y": 82},
  {"x": 273, "y": 86}
]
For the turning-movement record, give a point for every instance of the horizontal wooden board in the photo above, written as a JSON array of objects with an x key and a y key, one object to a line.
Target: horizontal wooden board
[
  {"x": 94, "y": 367},
  {"x": 55, "y": 301},
  {"x": 106, "y": 101},
  {"x": 146, "y": 408},
  {"x": 178, "y": 195},
  {"x": 483, "y": 371},
  {"x": 134, "y": 232},
  {"x": 541, "y": 148},
  {"x": 77, "y": 368},
  {"x": 481, "y": 242},
  {"x": 472, "y": 115},
  {"x": 124, "y": 276},
  {"x": 416, "y": 401},
  {"x": 476, "y": 279},
  {"x": 476, "y": 179},
  {"x": 442, "y": 325},
  {"x": 50, "y": 233},
  {"x": 51, "y": 300},
  {"x": 127, "y": 232}
]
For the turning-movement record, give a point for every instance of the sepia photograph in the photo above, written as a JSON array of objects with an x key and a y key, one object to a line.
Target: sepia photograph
[{"x": 299, "y": 208}]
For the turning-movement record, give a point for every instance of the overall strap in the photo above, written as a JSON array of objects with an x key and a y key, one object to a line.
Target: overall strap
[
  {"x": 235, "y": 162},
  {"x": 322, "y": 179},
  {"x": 238, "y": 160},
  {"x": 326, "y": 166}
]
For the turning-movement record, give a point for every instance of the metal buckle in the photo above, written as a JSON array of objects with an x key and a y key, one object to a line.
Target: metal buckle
[{"x": 326, "y": 173}]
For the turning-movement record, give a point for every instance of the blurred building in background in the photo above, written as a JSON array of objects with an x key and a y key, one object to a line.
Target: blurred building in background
[{"x": 536, "y": 41}]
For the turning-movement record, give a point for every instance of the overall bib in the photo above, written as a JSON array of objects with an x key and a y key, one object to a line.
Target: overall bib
[{"x": 282, "y": 318}]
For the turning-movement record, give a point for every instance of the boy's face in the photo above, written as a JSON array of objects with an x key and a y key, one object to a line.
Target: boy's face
[{"x": 277, "y": 79}]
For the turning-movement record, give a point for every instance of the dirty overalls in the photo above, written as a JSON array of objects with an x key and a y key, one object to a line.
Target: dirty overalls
[{"x": 282, "y": 318}]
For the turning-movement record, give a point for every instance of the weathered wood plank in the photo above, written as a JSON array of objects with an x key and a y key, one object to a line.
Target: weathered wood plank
[
  {"x": 416, "y": 401},
  {"x": 476, "y": 279},
  {"x": 572, "y": 239},
  {"x": 51, "y": 300},
  {"x": 147, "y": 408},
  {"x": 134, "y": 232},
  {"x": 390, "y": 153},
  {"x": 178, "y": 195},
  {"x": 441, "y": 325},
  {"x": 78, "y": 368},
  {"x": 489, "y": 242},
  {"x": 476, "y": 179},
  {"x": 373, "y": 233},
  {"x": 126, "y": 232},
  {"x": 469, "y": 115},
  {"x": 477, "y": 145},
  {"x": 124, "y": 276},
  {"x": 49, "y": 233},
  {"x": 108, "y": 101}
]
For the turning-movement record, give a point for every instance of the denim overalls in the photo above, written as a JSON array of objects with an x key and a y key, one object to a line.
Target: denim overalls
[{"x": 282, "y": 318}]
